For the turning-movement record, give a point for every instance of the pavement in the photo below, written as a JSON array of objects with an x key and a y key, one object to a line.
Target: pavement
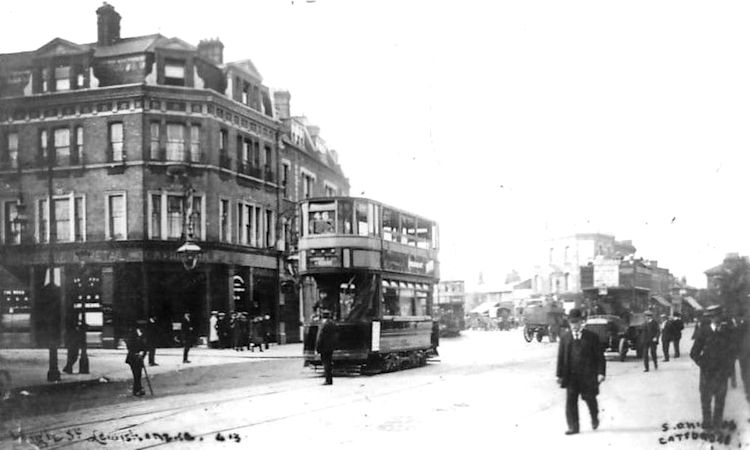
[{"x": 28, "y": 367}]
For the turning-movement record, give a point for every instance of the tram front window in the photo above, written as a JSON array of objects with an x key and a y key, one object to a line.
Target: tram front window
[
  {"x": 348, "y": 298},
  {"x": 321, "y": 218}
]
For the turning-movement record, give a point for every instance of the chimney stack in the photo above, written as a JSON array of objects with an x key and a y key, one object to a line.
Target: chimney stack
[
  {"x": 281, "y": 100},
  {"x": 108, "y": 25},
  {"x": 212, "y": 50}
]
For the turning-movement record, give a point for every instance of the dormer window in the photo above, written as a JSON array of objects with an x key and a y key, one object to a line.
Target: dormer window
[
  {"x": 62, "y": 78},
  {"x": 174, "y": 72}
]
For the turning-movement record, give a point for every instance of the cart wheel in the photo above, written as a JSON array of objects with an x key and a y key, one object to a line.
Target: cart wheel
[
  {"x": 528, "y": 334},
  {"x": 539, "y": 336},
  {"x": 623, "y": 348},
  {"x": 552, "y": 337}
]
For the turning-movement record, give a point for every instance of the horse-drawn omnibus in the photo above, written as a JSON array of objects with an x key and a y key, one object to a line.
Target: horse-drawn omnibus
[{"x": 373, "y": 268}]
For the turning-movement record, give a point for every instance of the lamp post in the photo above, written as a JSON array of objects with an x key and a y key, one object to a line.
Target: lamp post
[
  {"x": 54, "y": 293},
  {"x": 189, "y": 252},
  {"x": 83, "y": 365}
]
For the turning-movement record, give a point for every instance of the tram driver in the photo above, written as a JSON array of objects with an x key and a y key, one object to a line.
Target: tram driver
[{"x": 325, "y": 302}]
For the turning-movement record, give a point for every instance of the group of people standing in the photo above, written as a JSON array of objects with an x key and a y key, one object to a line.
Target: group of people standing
[{"x": 238, "y": 331}]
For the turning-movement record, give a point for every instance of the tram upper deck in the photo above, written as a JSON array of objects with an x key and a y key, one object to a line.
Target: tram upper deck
[{"x": 357, "y": 233}]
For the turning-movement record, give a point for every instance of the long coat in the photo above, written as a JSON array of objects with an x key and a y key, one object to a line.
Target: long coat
[
  {"x": 188, "y": 331},
  {"x": 593, "y": 362},
  {"x": 714, "y": 351},
  {"x": 136, "y": 349},
  {"x": 326, "y": 339},
  {"x": 650, "y": 332}
]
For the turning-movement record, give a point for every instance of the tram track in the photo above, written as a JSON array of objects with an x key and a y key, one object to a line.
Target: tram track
[{"x": 153, "y": 417}]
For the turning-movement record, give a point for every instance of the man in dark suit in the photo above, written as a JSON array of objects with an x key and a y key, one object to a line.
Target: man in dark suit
[
  {"x": 325, "y": 344},
  {"x": 581, "y": 367},
  {"x": 649, "y": 340},
  {"x": 667, "y": 333},
  {"x": 74, "y": 341},
  {"x": 187, "y": 330},
  {"x": 136, "y": 351},
  {"x": 677, "y": 327},
  {"x": 152, "y": 333},
  {"x": 714, "y": 352}
]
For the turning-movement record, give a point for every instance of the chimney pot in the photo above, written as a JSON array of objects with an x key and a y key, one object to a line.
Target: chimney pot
[{"x": 108, "y": 25}]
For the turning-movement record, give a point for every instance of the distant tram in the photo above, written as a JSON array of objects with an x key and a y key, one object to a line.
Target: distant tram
[{"x": 374, "y": 268}]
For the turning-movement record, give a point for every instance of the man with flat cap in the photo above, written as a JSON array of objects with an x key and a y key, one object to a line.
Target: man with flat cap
[
  {"x": 581, "y": 368},
  {"x": 713, "y": 351},
  {"x": 650, "y": 339}
]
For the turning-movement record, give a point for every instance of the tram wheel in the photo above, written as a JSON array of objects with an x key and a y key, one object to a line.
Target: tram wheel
[
  {"x": 390, "y": 363},
  {"x": 528, "y": 334}
]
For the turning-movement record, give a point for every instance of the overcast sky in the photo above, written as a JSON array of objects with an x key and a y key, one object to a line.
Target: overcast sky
[{"x": 508, "y": 122}]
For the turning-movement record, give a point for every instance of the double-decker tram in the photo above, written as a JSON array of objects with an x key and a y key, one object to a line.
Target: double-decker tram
[{"x": 372, "y": 269}]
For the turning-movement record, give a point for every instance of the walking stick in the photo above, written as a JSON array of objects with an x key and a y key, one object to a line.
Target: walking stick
[{"x": 148, "y": 380}]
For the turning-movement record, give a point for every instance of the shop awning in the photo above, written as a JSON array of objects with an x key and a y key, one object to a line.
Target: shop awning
[
  {"x": 662, "y": 300},
  {"x": 692, "y": 302}
]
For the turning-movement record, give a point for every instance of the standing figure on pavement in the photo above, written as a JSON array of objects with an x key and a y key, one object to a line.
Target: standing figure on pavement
[
  {"x": 136, "y": 351},
  {"x": 666, "y": 335},
  {"x": 213, "y": 330},
  {"x": 225, "y": 331},
  {"x": 743, "y": 352},
  {"x": 325, "y": 344},
  {"x": 188, "y": 331},
  {"x": 713, "y": 351},
  {"x": 152, "y": 337},
  {"x": 236, "y": 331},
  {"x": 677, "y": 327},
  {"x": 650, "y": 339},
  {"x": 74, "y": 341},
  {"x": 581, "y": 367}
]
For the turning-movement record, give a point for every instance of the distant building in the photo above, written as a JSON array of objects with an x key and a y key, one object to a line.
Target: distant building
[{"x": 560, "y": 271}]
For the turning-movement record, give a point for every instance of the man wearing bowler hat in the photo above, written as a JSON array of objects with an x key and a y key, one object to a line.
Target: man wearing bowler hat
[
  {"x": 713, "y": 351},
  {"x": 581, "y": 367}
]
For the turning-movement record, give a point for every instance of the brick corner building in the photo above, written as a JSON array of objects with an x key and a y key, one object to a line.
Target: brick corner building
[{"x": 113, "y": 153}]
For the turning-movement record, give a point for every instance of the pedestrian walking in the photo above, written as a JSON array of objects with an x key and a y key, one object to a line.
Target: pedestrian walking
[
  {"x": 713, "y": 351},
  {"x": 152, "y": 338},
  {"x": 256, "y": 333},
  {"x": 188, "y": 332},
  {"x": 213, "y": 330},
  {"x": 581, "y": 368},
  {"x": 666, "y": 335},
  {"x": 73, "y": 342},
  {"x": 137, "y": 349},
  {"x": 325, "y": 344},
  {"x": 677, "y": 327},
  {"x": 650, "y": 339}
]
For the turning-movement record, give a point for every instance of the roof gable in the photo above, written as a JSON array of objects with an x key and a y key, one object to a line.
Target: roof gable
[
  {"x": 246, "y": 66},
  {"x": 173, "y": 44},
  {"x": 60, "y": 47}
]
